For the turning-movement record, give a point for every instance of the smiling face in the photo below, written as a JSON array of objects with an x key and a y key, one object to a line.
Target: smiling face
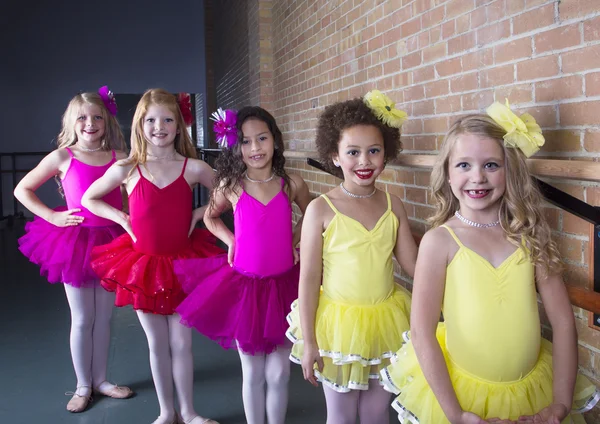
[
  {"x": 477, "y": 173},
  {"x": 89, "y": 125},
  {"x": 360, "y": 154},
  {"x": 257, "y": 144},
  {"x": 160, "y": 126}
]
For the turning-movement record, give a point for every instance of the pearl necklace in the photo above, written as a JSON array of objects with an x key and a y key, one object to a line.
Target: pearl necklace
[
  {"x": 357, "y": 196},
  {"x": 85, "y": 149},
  {"x": 475, "y": 224},
  {"x": 258, "y": 181}
]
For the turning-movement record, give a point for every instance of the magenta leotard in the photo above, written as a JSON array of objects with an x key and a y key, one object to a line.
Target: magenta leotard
[
  {"x": 263, "y": 235},
  {"x": 78, "y": 178},
  {"x": 245, "y": 306},
  {"x": 63, "y": 253}
]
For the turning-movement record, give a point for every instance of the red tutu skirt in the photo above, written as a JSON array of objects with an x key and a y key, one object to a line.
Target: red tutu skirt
[
  {"x": 147, "y": 282},
  {"x": 64, "y": 253},
  {"x": 234, "y": 308}
]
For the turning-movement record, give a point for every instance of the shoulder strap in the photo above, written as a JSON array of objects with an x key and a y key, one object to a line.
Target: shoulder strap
[
  {"x": 114, "y": 154},
  {"x": 70, "y": 152},
  {"x": 389, "y": 200},
  {"x": 453, "y": 234},
  {"x": 184, "y": 165},
  {"x": 329, "y": 203},
  {"x": 140, "y": 171}
]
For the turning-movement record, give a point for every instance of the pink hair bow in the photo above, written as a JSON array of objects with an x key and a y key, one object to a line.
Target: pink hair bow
[
  {"x": 108, "y": 98},
  {"x": 225, "y": 127}
]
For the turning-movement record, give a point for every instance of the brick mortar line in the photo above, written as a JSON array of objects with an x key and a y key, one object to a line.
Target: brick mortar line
[{"x": 589, "y": 347}]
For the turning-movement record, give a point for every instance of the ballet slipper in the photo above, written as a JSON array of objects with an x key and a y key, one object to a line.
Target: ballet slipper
[
  {"x": 160, "y": 421},
  {"x": 200, "y": 420},
  {"x": 78, "y": 403},
  {"x": 115, "y": 392}
]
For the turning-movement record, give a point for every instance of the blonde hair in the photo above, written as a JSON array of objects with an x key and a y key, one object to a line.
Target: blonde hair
[
  {"x": 183, "y": 142},
  {"x": 113, "y": 137},
  {"x": 521, "y": 215}
]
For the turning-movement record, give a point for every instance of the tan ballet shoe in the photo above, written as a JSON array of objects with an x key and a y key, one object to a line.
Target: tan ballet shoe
[
  {"x": 78, "y": 403},
  {"x": 175, "y": 421},
  {"x": 200, "y": 420},
  {"x": 115, "y": 392}
]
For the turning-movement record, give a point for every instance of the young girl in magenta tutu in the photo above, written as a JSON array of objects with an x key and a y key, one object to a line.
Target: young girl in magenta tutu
[
  {"x": 60, "y": 240},
  {"x": 490, "y": 247},
  {"x": 241, "y": 299},
  {"x": 158, "y": 176},
  {"x": 344, "y": 335}
]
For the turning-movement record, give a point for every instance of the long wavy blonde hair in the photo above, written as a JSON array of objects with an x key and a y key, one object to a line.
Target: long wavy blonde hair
[
  {"x": 139, "y": 145},
  {"x": 113, "y": 137},
  {"x": 521, "y": 214}
]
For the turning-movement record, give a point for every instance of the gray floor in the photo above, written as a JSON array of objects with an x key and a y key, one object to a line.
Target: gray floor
[{"x": 36, "y": 370}]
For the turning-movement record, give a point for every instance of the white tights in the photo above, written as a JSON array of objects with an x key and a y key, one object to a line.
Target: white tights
[
  {"x": 171, "y": 361},
  {"x": 371, "y": 406},
  {"x": 274, "y": 370},
  {"x": 91, "y": 310}
]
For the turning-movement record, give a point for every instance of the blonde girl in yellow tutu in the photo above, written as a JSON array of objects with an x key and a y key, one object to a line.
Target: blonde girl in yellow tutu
[
  {"x": 488, "y": 250},
  {"x": 345, "y": 334}
]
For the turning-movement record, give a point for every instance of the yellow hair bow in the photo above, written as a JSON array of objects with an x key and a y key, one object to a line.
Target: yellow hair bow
[
  {"x": 384, "y": 109},
  {"x": 522, "y": 132}
]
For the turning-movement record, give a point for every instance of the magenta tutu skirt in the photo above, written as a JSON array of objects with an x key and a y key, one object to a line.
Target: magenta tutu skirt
[
  {"x": 236, "y": 309},
  {"x": 64, "y": 253}
]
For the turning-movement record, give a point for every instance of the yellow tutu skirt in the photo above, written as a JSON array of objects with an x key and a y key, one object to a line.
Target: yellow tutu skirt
[
  {"x": 416, "y": 402},
  {"x": 355, "y": 341}
]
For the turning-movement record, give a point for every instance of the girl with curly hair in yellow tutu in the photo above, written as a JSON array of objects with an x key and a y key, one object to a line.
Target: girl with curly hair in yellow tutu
[
  {"x": 489, "y": 249},
  {"x": 345, "y": 334}
]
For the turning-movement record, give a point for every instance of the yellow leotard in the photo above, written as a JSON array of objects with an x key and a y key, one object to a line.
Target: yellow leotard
[
  {"x": 362, "y": 312},
  {"x": 499, "y": 365},
  {"x": 497, "y": 337},
  {"x": 357, "y": 264}
]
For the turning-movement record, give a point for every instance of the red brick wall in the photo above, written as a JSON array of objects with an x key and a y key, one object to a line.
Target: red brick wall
[{"x": 438, "y": 59}]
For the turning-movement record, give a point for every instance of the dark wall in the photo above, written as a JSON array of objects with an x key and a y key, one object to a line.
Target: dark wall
[
  {"x": 231, "y": 53},
  {"x": 52, "y": 50}
]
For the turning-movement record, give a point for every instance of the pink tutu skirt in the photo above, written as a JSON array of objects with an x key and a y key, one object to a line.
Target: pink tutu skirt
[
  {"x": 234, "y": 308},
  {"x": 64, "y": 253}
]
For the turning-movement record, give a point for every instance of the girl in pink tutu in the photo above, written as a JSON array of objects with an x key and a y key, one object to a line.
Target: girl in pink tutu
[
  {"x": 241, "y": 299},
  {"x": 60, "y": 240},
  {"x": 158, "y": 177}
]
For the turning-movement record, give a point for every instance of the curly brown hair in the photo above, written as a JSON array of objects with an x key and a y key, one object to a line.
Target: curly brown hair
[
  {"x": 230, "y": 165},
  {"x": 343, "y": 115}
]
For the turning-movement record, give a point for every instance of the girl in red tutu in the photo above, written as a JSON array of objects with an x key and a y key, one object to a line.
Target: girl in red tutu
[
  {"x": 138, "y": 266},
  {"x": 60, "y": 240},
  {"x": 241, "y": 299}
]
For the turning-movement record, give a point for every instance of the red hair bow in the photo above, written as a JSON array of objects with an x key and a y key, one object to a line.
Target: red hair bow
[{"x": 185, "y": 104}]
